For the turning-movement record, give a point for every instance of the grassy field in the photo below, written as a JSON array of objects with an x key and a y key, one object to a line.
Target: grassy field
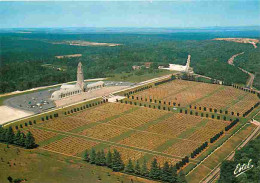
[
  {"x": 45, "y": 167},
  {"x": 135, "y": 78},
  {"x": 257, "y": 117},
  {"x": 146, "y": 132}
]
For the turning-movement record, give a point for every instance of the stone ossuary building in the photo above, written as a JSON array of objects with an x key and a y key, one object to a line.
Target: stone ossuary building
[{"x": 67, "y": 90}]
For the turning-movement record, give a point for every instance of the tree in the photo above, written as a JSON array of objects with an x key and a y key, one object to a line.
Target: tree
[
  {"x": 17, "y": 137},
  {"x": 173, "y": 171},
  {"x": 98, "y": 158},
  {"x": 117, "y": 162},
  {"x": 2, "y": 134},
  {"x": 102, "y": 158},
  {"x": 22, "y": 139},
  {"x": 10, "y": 179},
  {"x": 129, "y": 167},
  {"x": 86, "y": 156},
  {"x": 137, "y": 168},
  {"x": 154, "y": 170},
  {"x": 109, "y": 159},
  {"x": 181, "y": 177},
  {"x": 144, "y": 170},
  {"x": 29, "y": 141},
  {"x": 93, "y": 156},
  {"x": 166, "y": 174},
  {"x": 10, "y": 135}
]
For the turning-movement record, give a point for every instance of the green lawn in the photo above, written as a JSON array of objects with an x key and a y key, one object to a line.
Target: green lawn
[{"x": 133, "y": 77}]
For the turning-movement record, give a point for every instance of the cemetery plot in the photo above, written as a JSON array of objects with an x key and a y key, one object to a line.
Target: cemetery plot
[
  {"x": 182, "y": 148},
  {"x": 116, "y": 108},
  {"x": 221, "y": 99},
  {"x": 126, "y": 153},
  {"x": 129, "y": 121},
  {"x": 103, "y": 131},
  {"x": 162, "y": 159},
  {"x": 246, "y": 103},
  {"x": 206, "y": 132},
  {"x": 144, "y": 140},
  {"x": 201, "y": 95},
  {"x": 137, "y": 117},
  {"x": 65, "y": 123},
  {"x": 175, "y": 124},
  {"x": 40, "y": 135},
  {"x": 166, "y": 90},
  {"x": 95, "y": 115},
  {"x": 151, "y": 114},
  {"x": 70, "y": 145},
  {"x": 193, "y": 93}
]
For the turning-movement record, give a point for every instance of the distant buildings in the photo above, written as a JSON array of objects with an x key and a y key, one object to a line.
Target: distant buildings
[
  {"x": 136, "y": 67},
  {"x": 176, "y": 67},
  {"x": 67, "y": 90},
  {"x": 147, "y": 65}
]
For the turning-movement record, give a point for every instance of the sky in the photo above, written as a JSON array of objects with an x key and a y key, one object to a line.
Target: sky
[{"x": 179, "y": 14}]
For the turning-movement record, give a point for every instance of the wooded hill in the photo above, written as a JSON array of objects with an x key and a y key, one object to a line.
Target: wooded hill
[{"x": 24, "y": 57}]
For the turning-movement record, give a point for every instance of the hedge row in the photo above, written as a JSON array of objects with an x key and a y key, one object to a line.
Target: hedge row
[
  {"x": 231, "y": 124},
  {"x": 216, "y": 137},
  {"x": 199, "y": 149},
  {"x": 250, "y": 110},
  {"x": 137, "y": 90}
]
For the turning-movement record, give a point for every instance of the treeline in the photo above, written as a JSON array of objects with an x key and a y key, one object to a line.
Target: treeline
[
  {"x": 19, "y": 138},
  {"x": 216, "y": 137},
  {"x": 113, "y": 160},
  {"x": 233, "y": 123}
]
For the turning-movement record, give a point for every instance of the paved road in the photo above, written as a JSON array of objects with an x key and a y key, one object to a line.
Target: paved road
[
  {"x": 251, "y": 78},
  {"x": 231, "y": 60},
  {"x": 250, "y": 81}
]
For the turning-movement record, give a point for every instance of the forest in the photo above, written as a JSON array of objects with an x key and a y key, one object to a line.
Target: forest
[{"x": 28, "y": 60}]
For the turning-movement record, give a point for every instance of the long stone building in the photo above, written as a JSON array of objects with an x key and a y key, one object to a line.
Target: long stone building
[{"x": 67, "y": 90}]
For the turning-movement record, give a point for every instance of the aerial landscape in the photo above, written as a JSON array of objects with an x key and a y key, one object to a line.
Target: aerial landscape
[{"x": 130, "y": 92}]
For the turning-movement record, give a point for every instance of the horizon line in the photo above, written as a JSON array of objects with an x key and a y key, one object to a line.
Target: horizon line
[{"x": 203, "y": 27}]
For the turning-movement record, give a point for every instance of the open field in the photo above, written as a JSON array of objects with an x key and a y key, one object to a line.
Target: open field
[
  {"x": 85, "y": 43},
  {"x": 240, "y": 40},
  {"x": 133, "y": 77}
]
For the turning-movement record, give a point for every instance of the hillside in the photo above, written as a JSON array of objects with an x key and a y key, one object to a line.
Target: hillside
[{"x": 31, "y": 52}]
